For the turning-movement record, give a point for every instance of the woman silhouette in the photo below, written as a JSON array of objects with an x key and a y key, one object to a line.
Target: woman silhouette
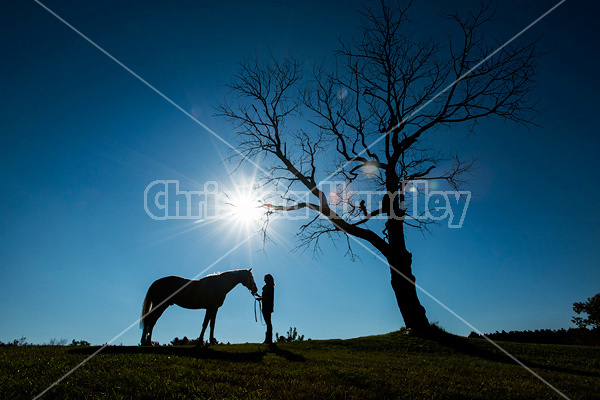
[{"x": 267, "y": 298}]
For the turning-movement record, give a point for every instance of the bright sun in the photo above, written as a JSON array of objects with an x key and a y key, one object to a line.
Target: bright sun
[{"x": 246, "y": 208}]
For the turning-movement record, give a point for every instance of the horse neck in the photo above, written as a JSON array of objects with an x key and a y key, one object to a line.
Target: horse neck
[{"x": 232, "y": 279}]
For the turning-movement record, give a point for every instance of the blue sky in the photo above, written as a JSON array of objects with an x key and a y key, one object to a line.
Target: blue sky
[{"x": 82, "y": 138}]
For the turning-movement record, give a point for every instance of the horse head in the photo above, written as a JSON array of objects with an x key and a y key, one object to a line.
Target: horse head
[{"x": 249, "y": 282}]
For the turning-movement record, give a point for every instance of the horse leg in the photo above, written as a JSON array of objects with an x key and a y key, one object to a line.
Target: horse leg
[
  {"x": 147, "y": 332},
  {"x": 213, "y": 318},
  {"x": 204, "y": 325},
  {"x": 144, "y": 341},
  {"x": 149, "y": 323}
]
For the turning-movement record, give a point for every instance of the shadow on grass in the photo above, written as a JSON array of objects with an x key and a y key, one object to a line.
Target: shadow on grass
[
  {"x": 288, "y": 355},
  {"x": 477, "y": 348},
  {"x": 196, "y": 352}
]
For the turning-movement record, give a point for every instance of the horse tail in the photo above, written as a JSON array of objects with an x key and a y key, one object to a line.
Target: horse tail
[{"x": 147, "y": 305}]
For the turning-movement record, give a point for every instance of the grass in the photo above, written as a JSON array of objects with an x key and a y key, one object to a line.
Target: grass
[{"x": 376, "y": 367}]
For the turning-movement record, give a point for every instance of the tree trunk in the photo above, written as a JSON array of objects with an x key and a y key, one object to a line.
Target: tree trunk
[
  {"x": 406, "y": 292},
  {"x": 400, "y": 262}
]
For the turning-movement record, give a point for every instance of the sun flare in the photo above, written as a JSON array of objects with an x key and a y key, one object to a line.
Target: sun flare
[{"x": 246, "y": 208}]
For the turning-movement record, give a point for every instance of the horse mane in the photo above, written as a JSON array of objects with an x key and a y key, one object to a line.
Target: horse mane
[{"x": 227, "y": 272}]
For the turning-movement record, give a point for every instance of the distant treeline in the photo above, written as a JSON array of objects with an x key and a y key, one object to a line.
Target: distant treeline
[
  {"x": 589, "y": 337},
  {"x": 53, "y": 342}
]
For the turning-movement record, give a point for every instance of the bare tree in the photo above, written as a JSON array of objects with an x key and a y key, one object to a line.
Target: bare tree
[{"x": 366, "y": 121}]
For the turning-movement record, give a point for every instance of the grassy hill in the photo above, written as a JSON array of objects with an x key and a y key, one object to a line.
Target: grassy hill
[{"x": 376, "y": 367}]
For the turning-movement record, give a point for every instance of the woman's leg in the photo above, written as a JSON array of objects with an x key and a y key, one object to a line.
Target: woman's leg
[{"x": 269, "y": 334}]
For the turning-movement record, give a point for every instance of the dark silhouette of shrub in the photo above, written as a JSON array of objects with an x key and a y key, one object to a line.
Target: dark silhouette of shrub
[
  {"x": 17, "y": 342},
  {"x": 80, "y": 343},
  {"x": 184, "y": 341},
  {"x": 592, "y": 308},
  {"x": 292, "y": 336},
  {"x": 57, "y": 342},
  {"x": 578, "y": 336}
]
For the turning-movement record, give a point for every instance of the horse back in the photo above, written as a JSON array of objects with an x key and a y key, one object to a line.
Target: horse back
[{"x": 186, "y": 293}]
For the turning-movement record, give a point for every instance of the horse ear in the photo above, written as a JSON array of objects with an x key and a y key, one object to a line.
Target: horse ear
[{"x": 250, "y": 269}]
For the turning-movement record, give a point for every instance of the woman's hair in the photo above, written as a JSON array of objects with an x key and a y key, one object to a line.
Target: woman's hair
[{"x": 269, "y": 279}]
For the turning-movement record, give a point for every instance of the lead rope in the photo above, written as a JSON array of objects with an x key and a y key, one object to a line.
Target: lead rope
[{"x": 260, "y": 308}]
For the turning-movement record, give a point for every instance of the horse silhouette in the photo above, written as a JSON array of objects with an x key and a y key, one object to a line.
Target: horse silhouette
[{"x": 208, "y": 293}]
